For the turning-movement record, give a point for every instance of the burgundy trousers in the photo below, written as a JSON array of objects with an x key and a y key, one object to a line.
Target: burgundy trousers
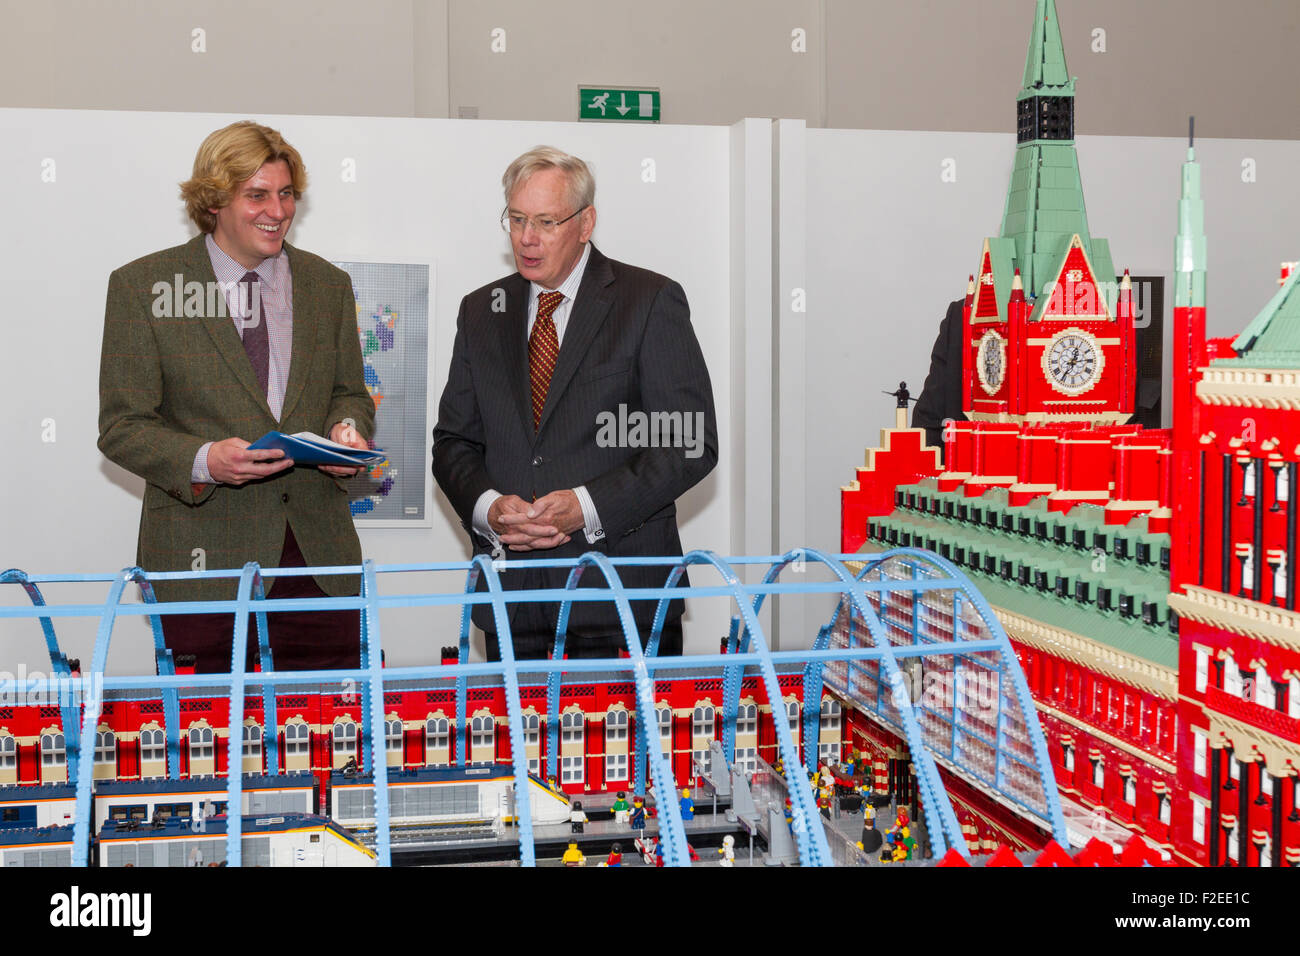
[{"x": 300, "y": 640}]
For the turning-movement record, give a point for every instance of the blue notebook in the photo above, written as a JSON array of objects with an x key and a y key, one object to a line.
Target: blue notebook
[{"x": 306, "y": 448}]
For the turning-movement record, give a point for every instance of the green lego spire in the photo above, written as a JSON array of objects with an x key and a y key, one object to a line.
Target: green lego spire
[
  {"x": 1189, "y": 247},
  {"x": 1045, "y": 64},
  {"x": 1044, "y": 207}
]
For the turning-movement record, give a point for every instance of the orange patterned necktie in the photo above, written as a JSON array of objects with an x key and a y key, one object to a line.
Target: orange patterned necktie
[{"x": 543, "y": 350}]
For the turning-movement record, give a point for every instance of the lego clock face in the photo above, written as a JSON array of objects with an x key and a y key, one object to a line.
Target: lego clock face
[
  {"x": 991, "y": 362},
  {"x": 1073, "y": 362}
]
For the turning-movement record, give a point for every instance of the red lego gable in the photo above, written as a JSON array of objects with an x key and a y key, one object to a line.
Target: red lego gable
[
  {"x": 986, "y": 299},
  {"x": 1075, "y": 293}
]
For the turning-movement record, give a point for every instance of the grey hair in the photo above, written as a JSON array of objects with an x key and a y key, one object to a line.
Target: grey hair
[{"x": 582, "y": 185}]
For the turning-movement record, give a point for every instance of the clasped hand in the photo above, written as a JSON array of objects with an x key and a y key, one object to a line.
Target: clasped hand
[{"x": 535, "y": 525}]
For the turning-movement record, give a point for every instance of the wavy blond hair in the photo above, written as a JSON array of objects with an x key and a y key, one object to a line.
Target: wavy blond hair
[{"x": 231, "y": 156}]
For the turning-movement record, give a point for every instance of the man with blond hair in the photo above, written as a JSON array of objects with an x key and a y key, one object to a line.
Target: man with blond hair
[
  {"x": 209, "y": 345},
  {"x": 577, "y": 410}
]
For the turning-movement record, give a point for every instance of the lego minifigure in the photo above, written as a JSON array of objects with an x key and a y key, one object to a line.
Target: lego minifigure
[
  {"x": 577, "y": 818},
  {"x": 637, "y": 818},
  {"x": 621, "y": 807},
  {"x": 573, "y": 856},
  {"x": 615, "y": 857},
  {"x": 728, "y": 850},
  {"x": 688, "y": 806}
]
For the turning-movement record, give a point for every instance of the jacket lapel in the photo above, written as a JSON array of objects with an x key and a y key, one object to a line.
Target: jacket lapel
[
  {"x": 197, "y": 266},
  {"x": 307, "y": 305},
  {"x": 585, "y": 319},
  {"x": 515, "y": 349}
]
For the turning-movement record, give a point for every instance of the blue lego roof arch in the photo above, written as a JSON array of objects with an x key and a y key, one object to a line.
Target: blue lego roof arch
[{"x": 1008, "y": 755}]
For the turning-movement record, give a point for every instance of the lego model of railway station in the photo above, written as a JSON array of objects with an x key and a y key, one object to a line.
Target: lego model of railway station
[{"x": 1062, "y": 637}]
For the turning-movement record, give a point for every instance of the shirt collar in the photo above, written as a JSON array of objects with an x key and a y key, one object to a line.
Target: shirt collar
[{"x": 228, "y": 270}]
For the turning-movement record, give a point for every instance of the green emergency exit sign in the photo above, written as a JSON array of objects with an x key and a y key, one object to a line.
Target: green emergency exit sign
[{"x": 618, "y": 103}]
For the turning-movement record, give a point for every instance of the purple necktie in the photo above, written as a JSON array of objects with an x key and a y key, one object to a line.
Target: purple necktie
[{"x": 256, "y": 344}]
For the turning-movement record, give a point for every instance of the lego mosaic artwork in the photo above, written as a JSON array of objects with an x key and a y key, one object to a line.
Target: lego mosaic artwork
[{"x": 393, "y": 324}]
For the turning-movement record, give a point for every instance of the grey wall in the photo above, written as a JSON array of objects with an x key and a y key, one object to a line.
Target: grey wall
[{"x": 866, "y": 64}]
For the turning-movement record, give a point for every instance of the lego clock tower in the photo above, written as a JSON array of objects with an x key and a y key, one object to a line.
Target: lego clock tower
[{"x": 1048, "y": 332}]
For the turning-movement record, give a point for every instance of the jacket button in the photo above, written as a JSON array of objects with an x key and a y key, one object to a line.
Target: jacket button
[
  {"x": 285, "y": 497},
  {"x": 537, "y": 461}
]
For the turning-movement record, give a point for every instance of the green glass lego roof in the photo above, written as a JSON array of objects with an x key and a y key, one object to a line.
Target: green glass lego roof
[
  {"x": 1272, "y": 339},
  {"x": 1139, "y": 586}
]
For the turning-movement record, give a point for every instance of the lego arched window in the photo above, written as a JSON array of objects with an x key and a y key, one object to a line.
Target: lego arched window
[
  {"x": 1202, "y": 668},
  {"x": 153, "y": 752},
  {"x": 747, "y": 736},
  {"x": 297, "y": 744},
  {"x": 664, "y": 717},
  {"x": 572, "y": 724},
  {"x": 437, "y": 739},
  {"x": 1231, "y": 678},
  {"x": 792, "y": 712},
  {"x": 8, "y": 758},
  {"x": 702, "y": 721},
  {"x": 1130, "y": 789},
  {"x": 1293, "y": 696},
  {"x": 250, "y": 749},
  {"x": 1199, "y": 810},
  {"x": 483, "y": 738},
  {"x": 616, "y": 723},
  {"x": 1281, "y": 484},
  {"x": 393, "y": 738},
  {"x": 747, "y": 719},
  {"x": 532, "y": 727},
  {"x": 616, "y": 727},
  {"x": 1067, "y": 757},
  {"x": 828, "y": 743},
  {"x": 297, "y": 737},
  {"x": 54, "y": 756},
  {"x": 202, "y": 745},
  {"x": 54, "y": 752},
  {"x": 1098, "y": 773},
  {"x": 105, "y": 754},
  {"x": 1265, "y": 692},
  {"x": 344, "y": 742},
  {"x": 1163, "y": 811},
  {"x": 1278, "y": 563},
  {"x": 572, "y": 755},
  {"x": 105, "y": 746}
]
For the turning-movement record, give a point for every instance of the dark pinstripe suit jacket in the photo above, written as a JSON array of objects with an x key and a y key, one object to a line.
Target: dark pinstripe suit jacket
[
  {"x": 628, "y": 342},
  {"x": 167, "y": 384}
]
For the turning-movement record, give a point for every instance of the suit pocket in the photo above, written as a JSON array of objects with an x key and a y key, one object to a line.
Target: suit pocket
[{"x": 606, "y": 370}]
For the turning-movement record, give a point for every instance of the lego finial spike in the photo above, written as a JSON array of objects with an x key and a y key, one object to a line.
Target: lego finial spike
[
  {"x": 1015, "y": 281},
  {"x": 970, "y": 286},
  {"x": 1125, "y": 283}
]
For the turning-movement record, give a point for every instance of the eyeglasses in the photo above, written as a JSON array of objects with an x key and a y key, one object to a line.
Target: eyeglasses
[{"x": 516, "y": 222}]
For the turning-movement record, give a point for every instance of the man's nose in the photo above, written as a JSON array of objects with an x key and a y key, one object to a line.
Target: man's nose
[
  {"x": 531, "y": 235},
  {"x": 275, "y": 207}
]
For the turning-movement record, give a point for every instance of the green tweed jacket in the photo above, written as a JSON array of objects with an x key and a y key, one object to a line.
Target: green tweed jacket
[{"x": 169, "y": 383}]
